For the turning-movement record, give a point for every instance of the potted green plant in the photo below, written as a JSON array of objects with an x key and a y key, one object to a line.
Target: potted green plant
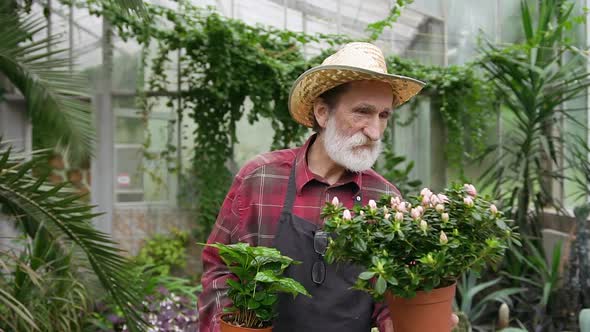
[
  {"x": 414, "y": 251},
  {"x": 255, "y": 287}
]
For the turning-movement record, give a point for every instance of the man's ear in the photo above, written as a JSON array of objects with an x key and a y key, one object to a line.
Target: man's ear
[{"x": 321, "y": 112}]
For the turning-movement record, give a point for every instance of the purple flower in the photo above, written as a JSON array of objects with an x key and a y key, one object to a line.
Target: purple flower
[
  {"x": 115, "y": 319},
  {"x": 162, "y": 290}
]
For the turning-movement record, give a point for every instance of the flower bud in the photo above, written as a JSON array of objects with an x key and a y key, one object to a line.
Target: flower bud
[
  {"x": 387, "y": 216},
  {"x": 425, "y": 192},
  {"x": 503, "y": 316},
  {"x": 402, "y": 207},
  {"x": 372, "y": 205},
  {"x": 444, "y": 217},
  {"x": 421, "y": 209},
  {"x": 440, "y": 208},
  {"x": 425, "y": 200},
  {"x": 468, "y": 201},
  {"x": 470, "y": 190},
  {"x": 362, "y": 213},
  {"x": 335, "y": 201},
  {"x": 442, "y": 198},
  {"x": 346, "y": 215},
  {"x": 443, "y": 238},
  {"x": 385, "y": 210},
  {"x": 423, "y": 225},
  {"x": 415, "y": 213},
  {"x": 434, "y": 200},
  {"x": 395, "y": 200},
  {"x": 493, "y": 209},
  {"x": 399, "y": 216}
]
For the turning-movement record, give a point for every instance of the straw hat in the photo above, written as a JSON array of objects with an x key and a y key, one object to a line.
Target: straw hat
[{"x": 353, "y": 62}]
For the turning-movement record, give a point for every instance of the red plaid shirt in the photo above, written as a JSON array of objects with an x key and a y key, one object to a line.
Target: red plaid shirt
[{"x": 251, "y": 210}]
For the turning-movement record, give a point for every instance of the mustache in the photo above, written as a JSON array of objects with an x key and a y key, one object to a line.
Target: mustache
[{"x": 360, "y": 139}]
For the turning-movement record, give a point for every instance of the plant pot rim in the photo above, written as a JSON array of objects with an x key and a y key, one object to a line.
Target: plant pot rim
[
  {"x": 223, "y": 322},
  {"x": 436, "y": 295}
]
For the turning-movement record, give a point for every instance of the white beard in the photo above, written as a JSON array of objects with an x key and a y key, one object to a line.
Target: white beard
[{"x": 341, "y": 149}]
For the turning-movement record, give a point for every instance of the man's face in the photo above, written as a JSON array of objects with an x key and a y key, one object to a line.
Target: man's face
[{"x": 354, "y": 128}]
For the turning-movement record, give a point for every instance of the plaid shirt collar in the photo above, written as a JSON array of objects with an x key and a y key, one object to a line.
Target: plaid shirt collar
[{"x": 303, "y": 175}]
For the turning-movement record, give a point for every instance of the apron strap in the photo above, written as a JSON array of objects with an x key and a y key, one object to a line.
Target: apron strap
[{"x": 291, "y": 190}]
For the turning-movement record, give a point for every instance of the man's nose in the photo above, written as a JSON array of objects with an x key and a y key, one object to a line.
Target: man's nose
[{"x": 372, "y": 130}]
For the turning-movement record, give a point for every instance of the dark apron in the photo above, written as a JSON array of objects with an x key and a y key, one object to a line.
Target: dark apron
[{"x": 333, "y": 307}]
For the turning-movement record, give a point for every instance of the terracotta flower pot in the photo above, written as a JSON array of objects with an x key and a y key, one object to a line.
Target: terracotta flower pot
[
  {"x": 227, "y": 327},
  {"x": 426, "y": 312}
]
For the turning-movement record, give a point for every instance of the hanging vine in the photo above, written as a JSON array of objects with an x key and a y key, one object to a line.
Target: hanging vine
[
  {"x": 465, "y": 101},
  {"x": 224, "y": 62}
]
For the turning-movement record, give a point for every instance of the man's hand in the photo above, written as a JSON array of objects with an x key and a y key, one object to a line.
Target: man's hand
[{"x": 388, "y": 324}]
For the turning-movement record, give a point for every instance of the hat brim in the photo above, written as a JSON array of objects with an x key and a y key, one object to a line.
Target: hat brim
[{"x": 320, "y": 79}]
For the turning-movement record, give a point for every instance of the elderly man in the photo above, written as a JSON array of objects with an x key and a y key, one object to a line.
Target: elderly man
[{"x": 276, "y": 199}]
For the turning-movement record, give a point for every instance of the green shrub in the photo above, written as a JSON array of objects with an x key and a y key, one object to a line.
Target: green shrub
[{"x": 164, "y": 252}]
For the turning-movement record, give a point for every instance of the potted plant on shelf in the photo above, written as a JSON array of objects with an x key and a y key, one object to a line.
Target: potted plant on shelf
[
  {"x": 255, "y": 287},
  {"x": 415, "y": 250}
]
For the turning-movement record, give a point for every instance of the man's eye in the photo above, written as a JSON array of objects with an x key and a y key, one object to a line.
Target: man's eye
[{"x": 385, "y": 115}]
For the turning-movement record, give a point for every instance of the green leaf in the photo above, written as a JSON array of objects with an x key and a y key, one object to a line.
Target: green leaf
[
  {"x": 253, "y": 304},
  {"x": 270, "y": 299},
  {"x": 21, "y": 311},
  {"x": 43, "y": 221},
  {"x": 266, "y": 276},
  {"x": 360, "y": 244},
  {"x": 501, "y": 224},
  {"x": 366, "y": 275},
  {"x": 526, "y": 20},
  {"x": 380, "y": 285},
  {"x": 51, "y": 91},
  {"x": 234, "y": 284},
  {"x": 289, "y": 285},
  {"x": 392, "y": 281}
]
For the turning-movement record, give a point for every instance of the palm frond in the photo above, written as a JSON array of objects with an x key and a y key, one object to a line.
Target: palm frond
[
  {"x": 132, "y": 6},
  {"x": 533, "y": 80},
  {"x": 52, "y": 93},
  {"x": 67, "y": 221},
  {"x": 22, "y": 312}
]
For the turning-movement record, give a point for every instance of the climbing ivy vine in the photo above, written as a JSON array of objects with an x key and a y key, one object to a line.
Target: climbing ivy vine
[
  {"x": 225, "y": 62},
  {"x": 465, "y": 101}
]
